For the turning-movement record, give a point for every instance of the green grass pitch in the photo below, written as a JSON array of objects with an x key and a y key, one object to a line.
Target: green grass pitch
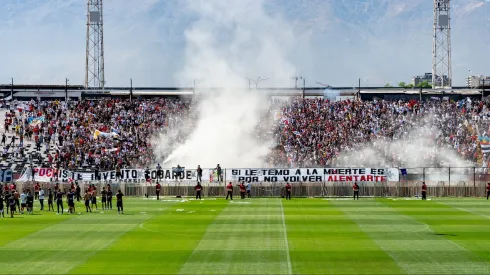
[{"x": 256, "y": 236}]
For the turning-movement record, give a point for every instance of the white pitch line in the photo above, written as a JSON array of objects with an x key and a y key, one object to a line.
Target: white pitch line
[
  {"x": 288, "y": 257},
  {"x": 142, "y": 227}
]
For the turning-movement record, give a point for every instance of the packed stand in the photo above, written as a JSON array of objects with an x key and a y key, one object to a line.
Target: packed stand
[
  {"x": 102, "y": 134},
  {"x": 317, "y": 132}
]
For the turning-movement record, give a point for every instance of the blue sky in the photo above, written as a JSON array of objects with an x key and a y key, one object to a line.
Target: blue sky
[{"x": 334, "y": 41}]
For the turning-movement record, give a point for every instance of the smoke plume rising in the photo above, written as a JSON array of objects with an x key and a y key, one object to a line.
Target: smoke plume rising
[
  {"x": 229, "y": 42},
  {"x": 414, "y": 147}
]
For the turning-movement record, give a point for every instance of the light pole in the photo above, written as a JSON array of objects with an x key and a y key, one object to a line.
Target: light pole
[
  {"x": 66, "y": 89},
  {"x": 296, "y": 78},
  {"x": 259, "y": 79},
  {"x": 482, "y": 78},
  {"x": 304, "y": 87},
  {"x": 131, "y": 90}
]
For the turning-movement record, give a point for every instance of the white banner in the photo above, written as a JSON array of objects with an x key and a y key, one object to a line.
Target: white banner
[
  {"x": 314, "y": 175},
  {"x": 40, "y": 174},
  {"x": 128, "y": 175},
  {"x": 247, "y": 175}
]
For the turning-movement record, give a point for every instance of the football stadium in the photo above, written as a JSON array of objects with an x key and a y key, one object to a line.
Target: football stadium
[{"x": 225, "y": 174}]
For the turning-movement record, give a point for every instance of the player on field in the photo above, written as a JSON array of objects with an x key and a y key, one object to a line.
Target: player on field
[
  {"x": 94, "y": 197},
  {"x": 249, "y": 190},
  {"x": 41, "y": 198},
  {"x": 50, "y": 200},
  {"x": 12, "y": 205},
  {"x": 87, "y": 200},
  {"x": 288, "y": 191},
  {"x": 30, "y": 201},
  {"x": 119, "y": 200},
  {"x": 198, "y": 189},
  {"x": 17, "y": 198},
  {"x": 71, "y": 201},
  {"x": 488, "y": 190},
  {"x": 243, "y": 189},
  {"x": 59, "y": 200},
  {"x": 36, "y": 190},
  {"x": 78, "y": 190},
  {"x": 1, "y": 206},
  {"x": 355, "y": 187},
  {"x": 158, "y": 187},
  {"x": 424, "y": 191},
  {"x": 104, "y": 198},
  {"x": 23, "y": 202},
  {"x": 229, "y": 188},
  {"x": 7, "y": 200},
  {"x": 109, "y": 196}
]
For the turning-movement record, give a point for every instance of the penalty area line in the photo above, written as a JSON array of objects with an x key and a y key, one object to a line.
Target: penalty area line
[{"x": 288, "y": 257}]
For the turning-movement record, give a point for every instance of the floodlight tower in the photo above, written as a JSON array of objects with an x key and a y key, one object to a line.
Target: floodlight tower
[
  {"x": 441, "y": 45},
  {"x": 94, "y": 56}
]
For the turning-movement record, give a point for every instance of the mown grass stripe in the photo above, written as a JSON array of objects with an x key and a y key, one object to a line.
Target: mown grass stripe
[
  {"x": 323, "y": 240},
  {"x": 264, "y": 253},
  {"x": 161, "y": 246},
  {"x": 426, "y": 252},
  {"x": 288, "y": 256}
]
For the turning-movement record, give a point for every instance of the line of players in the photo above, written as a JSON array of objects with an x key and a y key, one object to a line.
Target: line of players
[{"x": 16, "y": 202}]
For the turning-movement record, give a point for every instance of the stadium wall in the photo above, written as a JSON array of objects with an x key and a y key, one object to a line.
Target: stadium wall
[{"x": 453, "y": 182}]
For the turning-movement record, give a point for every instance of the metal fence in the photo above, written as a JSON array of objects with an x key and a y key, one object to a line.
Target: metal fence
[
  {"x": 441, "y": 182},
  {"x": 319, "y": 189}
]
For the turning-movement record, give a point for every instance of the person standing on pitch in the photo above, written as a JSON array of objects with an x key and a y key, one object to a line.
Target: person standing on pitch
[
  {"x": 29, "y": 202},
  {"x": 59, "y": 201},
  {"x": 1, "y": 206},
  {"x": 23, "y": 202},
  {"x": 249, "y": 190},
  {"x": 424, "y": 191},
  {"x": 288, "y": 191},
  {"x": 198, "y": 189},
  {"x": 104, "y": 198},
  {"x": 50, "y": 200},
  {"x": 7, "y": 200},
  {"x": 94, "y": 197},
  {"x": 119, "y": 202},
  {"x": 488, "y": 191},
  {"x": 41, "y": 198},
  {"x": 109, "y": 197},
  {"x": 158, "y": 187},
  {"x": 242, "y": 190},
  {"x": 356, "y": 190},
  {"x": 78, "y": 190},
  {"x": 87, "y": 200},
  {"x": 229, "y": 188},
  {"x": 12, "y": 205},
  {"x": 36, "y": 190},
  {"x": 199, "y": 173},
  {"x": 71, "y": 201},
  {"x": 17, "y": 199}
]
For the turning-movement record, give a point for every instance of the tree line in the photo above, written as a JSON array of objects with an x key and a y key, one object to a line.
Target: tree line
[{"x": 423, "y": 84}]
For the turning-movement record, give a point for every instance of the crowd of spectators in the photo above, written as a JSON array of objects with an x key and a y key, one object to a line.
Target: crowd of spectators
[
  {"x": 319, "y": 132},
  {"x": 67, "y": 132},
  {"x": 307, "y": 132}
]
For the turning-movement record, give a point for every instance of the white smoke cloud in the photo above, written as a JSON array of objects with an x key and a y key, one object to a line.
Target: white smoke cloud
[
  {"x": 415, "y": 148},
  {"x": 230, "y": 42}
]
